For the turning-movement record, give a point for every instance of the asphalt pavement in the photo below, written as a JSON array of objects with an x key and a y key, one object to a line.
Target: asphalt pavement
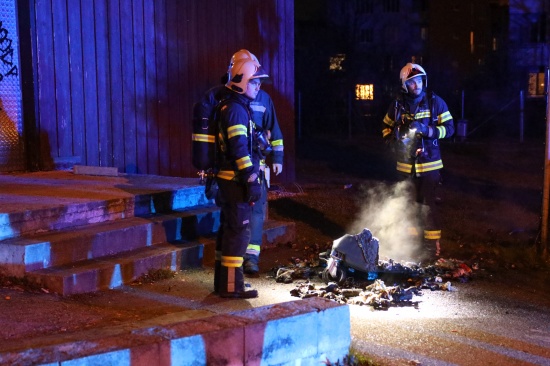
[{"x": 493, "y": 319}]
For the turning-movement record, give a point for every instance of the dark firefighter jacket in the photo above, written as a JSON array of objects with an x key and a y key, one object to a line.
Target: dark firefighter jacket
[
  {"x": 237, "y": 161},
  {"x": 418, "y": 154},
  {"x": 263, "y": 116}
]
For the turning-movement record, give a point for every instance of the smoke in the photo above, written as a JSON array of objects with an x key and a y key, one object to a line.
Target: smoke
[{"x": 390, "y": 213}]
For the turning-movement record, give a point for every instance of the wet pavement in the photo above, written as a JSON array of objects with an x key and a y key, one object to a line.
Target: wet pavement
[{"x": 484, "y": 321}]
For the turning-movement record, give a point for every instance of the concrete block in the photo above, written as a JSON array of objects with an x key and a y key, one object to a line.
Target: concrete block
[
  {"x": 217, "y": 340},
  {"x": 333, "y": 327},
  {"x": 95, "y": 170},
  {"x": 291, "y": 331},
  {"x": 188, "y": 351},
  {"x": 114, "y": 358},
  {"x": 147, "y": 355}
]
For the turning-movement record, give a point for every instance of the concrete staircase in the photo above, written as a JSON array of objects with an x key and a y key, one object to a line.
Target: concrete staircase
[
  {"x": 80, "y": 233},
  {"x": 76, "y": 233}
]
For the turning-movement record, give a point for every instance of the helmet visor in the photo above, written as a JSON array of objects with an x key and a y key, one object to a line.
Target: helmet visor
[
  {"x": 414, "y": 72},
  {"x": 260, "y": 73}
]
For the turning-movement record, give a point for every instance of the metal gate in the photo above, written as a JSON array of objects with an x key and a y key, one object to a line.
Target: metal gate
[{"x": 12, "y": 151}]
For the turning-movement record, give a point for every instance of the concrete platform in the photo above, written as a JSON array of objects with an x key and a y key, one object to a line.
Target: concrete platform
[{"x": 302, "y": 332}]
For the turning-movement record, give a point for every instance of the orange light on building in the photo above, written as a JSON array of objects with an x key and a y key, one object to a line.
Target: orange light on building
[
  {"x": 536, "y": 84},
  {"x": 364, "y": 92}
]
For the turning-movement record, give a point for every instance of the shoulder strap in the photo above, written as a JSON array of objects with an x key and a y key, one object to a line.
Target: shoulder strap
[
  {"x": 220, "y": 130},
  {"x": 431, "y": 104},
  {"x": 216, "y": 123}
]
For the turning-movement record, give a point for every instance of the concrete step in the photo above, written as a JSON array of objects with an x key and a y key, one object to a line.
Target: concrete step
[
  {"x": 278, "y": 232},
  {"x": 45, "y": 201},
  {"x": 302, "y": 332},
  {"x": 113, "y": 271},
  {"x": 275, "y": 233},
  {"x": 94, "y": 241}
]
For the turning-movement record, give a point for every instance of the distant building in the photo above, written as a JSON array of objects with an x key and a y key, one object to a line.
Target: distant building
[
  {"x": 472, "y": 45},
  {"x": 529, "y": 54}
]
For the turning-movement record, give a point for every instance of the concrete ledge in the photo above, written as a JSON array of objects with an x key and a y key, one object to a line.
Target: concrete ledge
[{"x": 304, "y": 332}]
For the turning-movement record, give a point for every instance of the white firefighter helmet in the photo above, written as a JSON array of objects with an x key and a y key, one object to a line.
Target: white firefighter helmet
[
  {"x": 242, "y": 55},
  {"x": 241, "y": 72},
  {"x": 410, "y": 71}
]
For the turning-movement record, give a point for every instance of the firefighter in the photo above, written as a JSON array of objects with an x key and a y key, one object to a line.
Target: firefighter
[
  {"x": 238, "y": 178},
  {"x": 415, "y": 122},
  {"x": 265, "y": 119}
]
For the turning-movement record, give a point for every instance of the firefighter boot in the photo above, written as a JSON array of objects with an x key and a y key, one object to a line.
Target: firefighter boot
[
  {"x": 432, "y": 248},
  {"x": 231, "y": 284},
  {"x": 250, "y": 264}
]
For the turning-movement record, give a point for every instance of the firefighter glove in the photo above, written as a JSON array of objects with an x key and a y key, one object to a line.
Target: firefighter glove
[
  {"x": 420, "y": 128},
  {"x": 277, "y": 169},
  {"x": 253, "y": 191}
]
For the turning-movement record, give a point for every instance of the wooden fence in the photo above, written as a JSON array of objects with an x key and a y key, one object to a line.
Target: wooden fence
[{"x": 114, "y": 81}]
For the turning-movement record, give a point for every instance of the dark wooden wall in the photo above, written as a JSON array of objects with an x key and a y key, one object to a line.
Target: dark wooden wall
[{"x": 115, "y": 80}]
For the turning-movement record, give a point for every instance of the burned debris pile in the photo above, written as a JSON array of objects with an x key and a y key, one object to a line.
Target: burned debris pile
[
  {"x": 407, "y": 282},
  {"x": 352, "y": 273}
]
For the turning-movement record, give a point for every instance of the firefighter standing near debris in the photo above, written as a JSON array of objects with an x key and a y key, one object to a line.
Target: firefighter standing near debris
[
  {"x": 238, "y": 178},
  {"x": 265, "y": 122},
  {"x": 415, "y": 122}
]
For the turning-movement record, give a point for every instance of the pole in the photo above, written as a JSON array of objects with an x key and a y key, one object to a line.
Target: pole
[{"x": 545, "y": 198}]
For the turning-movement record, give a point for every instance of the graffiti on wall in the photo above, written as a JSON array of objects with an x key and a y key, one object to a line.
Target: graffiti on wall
[{"x": 6, "y": 54}]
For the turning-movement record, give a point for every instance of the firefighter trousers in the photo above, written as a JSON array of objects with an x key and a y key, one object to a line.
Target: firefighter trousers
[
  {"x": 257, "y": 221},
  {"x": 425, "y": 195},
  {"x": 232, "y": 238}
]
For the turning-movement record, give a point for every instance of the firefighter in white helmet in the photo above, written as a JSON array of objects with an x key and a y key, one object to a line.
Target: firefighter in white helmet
[
  {"x": 265, "y": 119},
  {"x": 414, "y": 123}
]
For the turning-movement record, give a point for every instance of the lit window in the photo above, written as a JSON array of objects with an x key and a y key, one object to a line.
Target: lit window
[
  {"x": 537, "y": 84},
  {"x": 336, "y": 62},
  {"x": 364, "y": 92}
]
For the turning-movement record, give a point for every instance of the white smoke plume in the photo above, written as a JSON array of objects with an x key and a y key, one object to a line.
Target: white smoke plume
[{"x": 390, "y": 214}]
